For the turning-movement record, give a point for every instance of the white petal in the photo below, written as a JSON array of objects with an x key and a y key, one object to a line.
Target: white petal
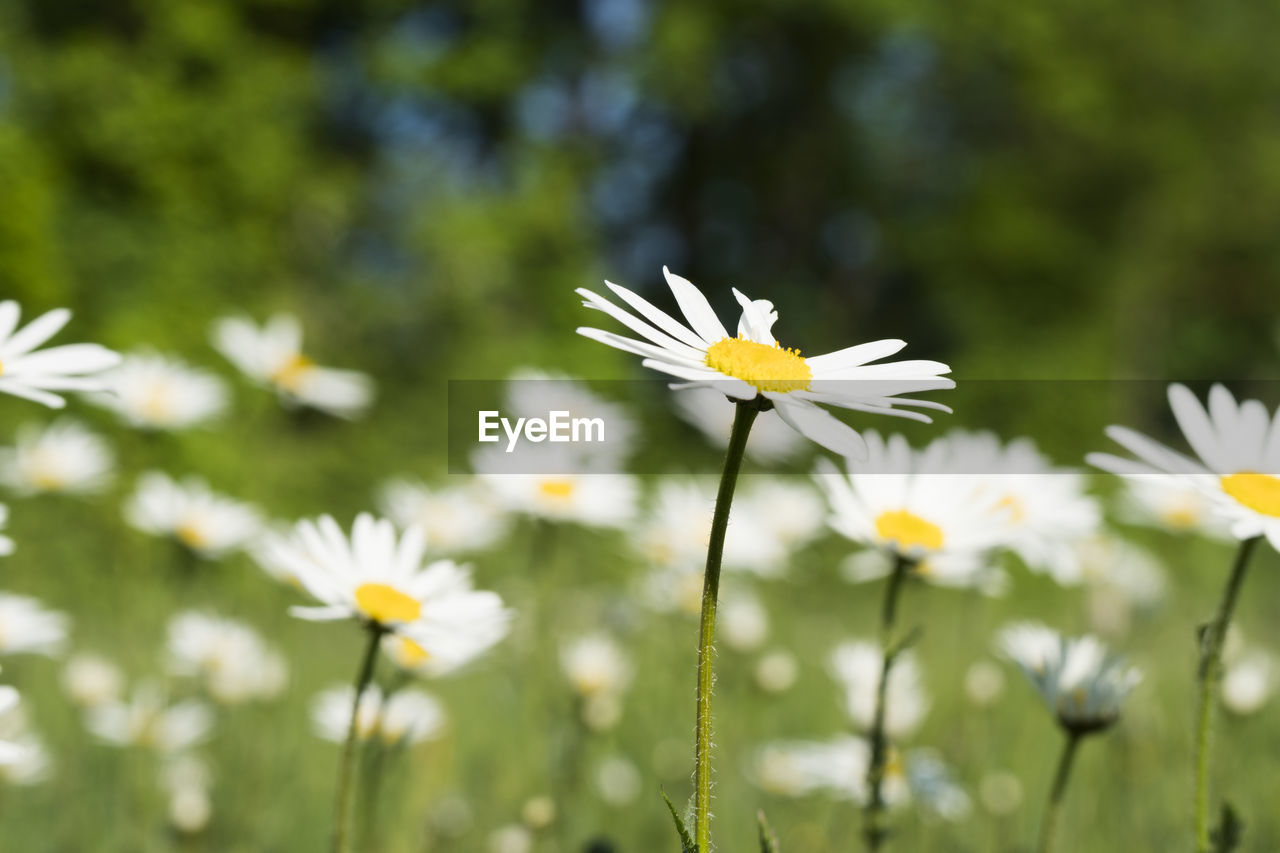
[
  {"x": 822, "y": 427},
  {"x": 697, "y": 310}
]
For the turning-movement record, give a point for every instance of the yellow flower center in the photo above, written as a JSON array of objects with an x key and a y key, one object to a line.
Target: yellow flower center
[
  {"x": 908, "y": 530},
  {"x": 1258, "y": 492},
  {"x": 1181, "y": 517},
  {"x": 556, "y": 489},
  {"x": 191, "y": 534},
  {"x": 289, "y": 375},
  {"x": 383, "y": 603},
  {"x": 157, "y": 405},
  {"x": 768, "y": 368},
  {"x": 409, "y": 654},
  {"x": 1014, "y": 508}
]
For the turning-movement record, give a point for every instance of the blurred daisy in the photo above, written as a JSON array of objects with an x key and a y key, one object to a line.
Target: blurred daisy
[
  {"x": 204, "y": 521},
  {"x": 744, "y": 622},
  {"x": 1248, "y": 682},
  {"x": 534, "y": 393},
  {"x": 90, "y": 680},
  {"x": 1170, "y": 503},
  {"x": 617, "y": 780},
  {"x": 452, "y": 518},
  {"x": 27, "y": 627},
  {"x": 23, "y": 757},
  {"x": 148, "y": 720},
  {"x": 856, "y": 665},
  {"x": 38, "y": 375},
  {"x": 595, "y": 664},
  {"x": 511, "y": 839},
  {"x": 188, "y": 780},
  {"x": 404, "y": 717},
  {"x": 1044, "y": 507},
  {"x": 913, "y": 503},
  {"x": 969, "y": 570},
  {"x": 983, "y": 682},
  {"x": 1082, "y": 683},
  {"x": 1237, "y": 446},
  {"x": 776, "y": 671},
  {"x": 271, "y": 355},
  {"x": 234, "y": 662},
  {"x": 10, "y": 752},
  {"x": 771, "y": 440},
  {"x": 154, "y": 391},
  {"x": 1123, "y": 579},
  {"x": 60, "y": 457},
  {"x": 566, "y": 495},
  {"x": 753, "y": 365},
  {"x": 381, "y": 579},
  {"x": 6, "y": 544}
]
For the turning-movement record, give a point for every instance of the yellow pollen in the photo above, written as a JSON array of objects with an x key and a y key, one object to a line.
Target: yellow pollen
[
  {"x": 1258, "y": 492},
  {"x": 908, "y": 530},
  {"x": 558, "y": 489},
  {"x": 409, "y": 654},
  {"x": 1181, "y": 517},
  {"x": 768, "y": 368},
  {"x": 289, "y": 375},
  {"x": 383, "y": 603},
  {"x": 1014, "y": 507},
  {"x": 157, "y": 404},
  {"x": 190, "y": 534}
]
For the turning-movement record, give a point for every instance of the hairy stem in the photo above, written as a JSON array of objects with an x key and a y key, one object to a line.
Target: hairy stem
[
  {"x": 1211, "y": 640},
  {"x": 744, "y": 416}
]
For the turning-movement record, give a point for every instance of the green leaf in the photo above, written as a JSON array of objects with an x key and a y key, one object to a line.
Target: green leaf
[
  {"x": 686, "y": 840},
  {"x": 1227, "y": 835},
  {"x": 768, "y": 840}
]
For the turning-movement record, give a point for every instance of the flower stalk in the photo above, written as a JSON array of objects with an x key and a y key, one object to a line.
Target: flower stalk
[
  {"x": 1209, "y": 673},
  {"x": 346, "y": 764},
  {"x": 1053, "y": 810},
  {"x": 874, "y": 830},
  {"x": 743, "y": 418}
]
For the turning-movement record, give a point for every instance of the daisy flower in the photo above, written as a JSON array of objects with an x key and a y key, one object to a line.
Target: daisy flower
[
  {"x": 912, "y": 503},
  {"x": 753, "y": 366},
  {"x": 27, "y": 627},
  {"x": 970, "y": 570},
  {"x": 23, "y": 757},
  {"x": 382, "y": 580},
  {"x": 452, "y": 518},
  {"x": 595, "y": 664},
  {"x": 38, "y": 375},
  {"x": 159, "y": 392},
  {"x": 60, "y": 457},
  {"x": 187, "y": 780},
  {"x": 1171, "y": 503},
  {"x": 234, "y": 662},
  {"x": 857, "y": 664},
  {"x": 207, "y": 523},
  {"x": 404, "y": 717},
  {"x": 10, "y": 752},
  {"x": 1237, "y": 464},
  {"x": 771, "y": 441},
  {"x": 1248, "y": 681},
  {"x": 90, "y": 680},
  {"x": 564, "y": 492},
  {"x": 6, "y": 544},
  {"x": 148, "y": 720},
  {"x": 272, "y": 356},
  {"x": 1082, "y": 683}
]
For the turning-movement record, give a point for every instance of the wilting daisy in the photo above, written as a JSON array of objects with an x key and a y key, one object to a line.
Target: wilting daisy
[
  {"x": 234, "y": 662},
  {"x": 91, "y": 680},
  {"x": 159, "y": 392},
  {"x": 206, "y": 522},
  {"x": 60, "y": 457},
  {"x": 453, "y": 519},
  {"x": 1082, "y": 683},
  {"x": 39, "y": 375},
  {"x": 404, "y": 717},
  {"x": 857, "y": 664},
  {"x": 382, "y": 579},
  {"x": 1237, "y": 464},
  {"x": 754, "y": 365},
  {"x": 28, "y": 627},
  {"x": 272, "y": 355},
  {"x": 912, "y": 503},
  {"x": 148, "y": 720},
  {"x": 771, "y": 441}
]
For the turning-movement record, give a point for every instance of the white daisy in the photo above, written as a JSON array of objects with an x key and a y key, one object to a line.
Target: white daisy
[
  {"x": 39, "y": 374},
  {"x": 856, "y": 665},
  {"x": 204, "y": 521},
  {"x": 1173, "y": 504},
  {"x": 27, "y": 627},
  {"x": 744, "y": 622},
  {"x": 1248, "y": 681},
  {"x": 776, "y": 671},
  {"x": 1082, "y": 683},
  {"x": 454, "y": 519},
  {"x": 382, "y": 579},
  {"x": 234, "y": 662},
  {"x": 187, "y": 780},
  {"x": 154, "y": 391},
  {"x": 595, "y": 664},
  {"x": 914, "y": 503},
  {"x": 23, "y": 757},
  {"x": 405, "y": 717},
  {"x": 564, "y": 493},
  {"x": 753, "y": 365},
  {"x": 1237, "y": 446},
  {"x": 148, "y": 720},
  {"x": 771, "y": 440},
  {"x": 6, "y": 544},
  {"x": 272, "y": 356},
  {"x": 10, "y": 752},
  {"x": 90, "y": 680},
  {"x": 968, "y": 570},
  {"x": 60, "y": 457}
]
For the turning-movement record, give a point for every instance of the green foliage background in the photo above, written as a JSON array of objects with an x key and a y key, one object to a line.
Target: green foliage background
[{"x": 1082, "y": 191}]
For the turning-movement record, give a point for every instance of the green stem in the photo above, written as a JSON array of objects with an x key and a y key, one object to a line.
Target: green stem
[
  {"x": 874, "y": 830},
  {"x": 1211, "y": 639},
  {"x": 742, "y": 420},
  {"x": 1048, "y": 827},
  {"x": 342, "y": 802}
]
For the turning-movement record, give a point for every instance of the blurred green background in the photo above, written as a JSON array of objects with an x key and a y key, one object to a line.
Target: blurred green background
[{"x": 1088, "y": 191}]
